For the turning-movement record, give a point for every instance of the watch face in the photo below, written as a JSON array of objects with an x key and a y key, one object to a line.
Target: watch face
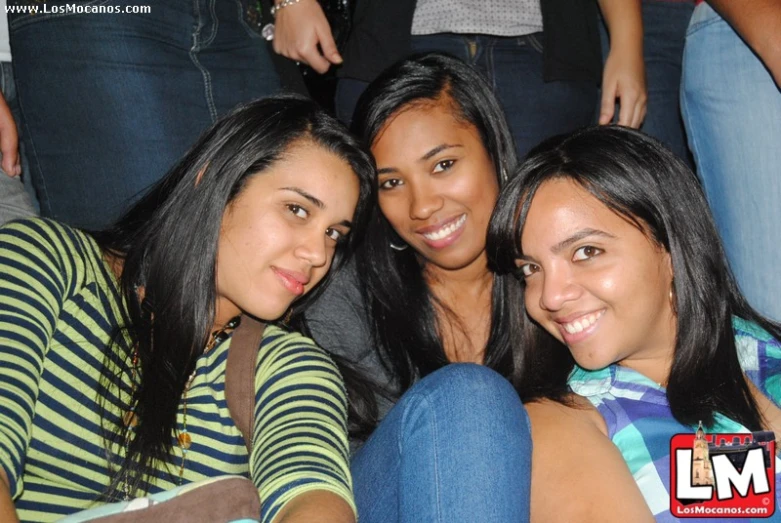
[{"x": 267, "y": 32}]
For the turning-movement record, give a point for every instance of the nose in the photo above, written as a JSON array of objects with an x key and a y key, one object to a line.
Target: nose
[
  {"x": 313, "y": 248},
  {"x": 424, "y": 201},
  {"x": 558, "y": 288}
]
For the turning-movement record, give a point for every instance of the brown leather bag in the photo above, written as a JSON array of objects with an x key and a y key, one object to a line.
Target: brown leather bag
[{"x": 240, "y": 376}]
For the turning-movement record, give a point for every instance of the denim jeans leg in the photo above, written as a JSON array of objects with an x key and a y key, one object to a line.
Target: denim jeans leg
[
  {"x": 234, "y": 60},
  {"x": 455, "y": 448},
  {"x": 732, "y": 111},
  {"x": 664, "y": 25},
  {"x": 535, "y": 109},
  {"x": 348, "y": 90},
  {"x": 15, "y": 201},
  {"x": 110, "y": 102}
]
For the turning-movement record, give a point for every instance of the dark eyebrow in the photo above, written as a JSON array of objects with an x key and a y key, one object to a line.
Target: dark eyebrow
[
  {"x": 436, "y": 150},
  {"x": 433, "y": 152},
  {"x": 580, "y": 235},
  {"x": 315, "y": 201}
]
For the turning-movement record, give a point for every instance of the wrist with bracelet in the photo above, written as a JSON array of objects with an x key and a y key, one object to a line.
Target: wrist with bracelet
[
  {"x": 281, "y": 5},
  {"x": 268, "y": 30}
]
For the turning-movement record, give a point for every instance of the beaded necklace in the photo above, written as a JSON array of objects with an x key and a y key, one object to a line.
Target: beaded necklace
[{"x": 130, "y": 419}]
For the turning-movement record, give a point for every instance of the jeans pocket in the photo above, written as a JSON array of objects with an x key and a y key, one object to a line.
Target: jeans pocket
[
  {"x": 31, "y": 11},
  {"x": 703, "y": 16},
  {"x": 534, "y": 41},
  {"x": 251, "y": 18}
]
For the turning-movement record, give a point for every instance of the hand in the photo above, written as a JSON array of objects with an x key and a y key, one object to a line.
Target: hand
[
  {"x": 9, "y": 141},
  {"x": 316, "y": 506},
  {"x": 624, "y": 79},
  {"x": 7, "y": 510},
  {"x": 302, "y": 33}
]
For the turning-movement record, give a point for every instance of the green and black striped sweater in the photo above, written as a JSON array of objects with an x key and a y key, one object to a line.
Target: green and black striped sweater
[{"x": 59, "y": 307}]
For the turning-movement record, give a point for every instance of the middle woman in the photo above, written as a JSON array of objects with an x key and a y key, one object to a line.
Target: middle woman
[{"x": 456, "y": 445}]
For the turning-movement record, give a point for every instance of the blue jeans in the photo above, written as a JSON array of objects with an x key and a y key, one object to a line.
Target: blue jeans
[
  {"x": 456, "y": 448},
  {"x": 664, "y": 28},
  {"x": 732, "y": 111},
  {"x": 110, "y": 101},
  {"x": 535, "y": 109},
  {"x": 15, "y": 198}
]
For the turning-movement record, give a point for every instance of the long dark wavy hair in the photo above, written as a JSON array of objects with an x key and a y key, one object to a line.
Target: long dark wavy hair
[
  {"x": 167, "y": 243},
  {"x": 636, "y": 177},
  {"x": 401, "y": 307}
]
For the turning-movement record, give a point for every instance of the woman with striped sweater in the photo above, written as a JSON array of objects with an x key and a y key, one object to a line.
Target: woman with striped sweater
[{"x": 113, "y": 344}]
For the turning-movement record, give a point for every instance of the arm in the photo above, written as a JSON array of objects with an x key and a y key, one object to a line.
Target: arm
[
  {"x": 9, "y": 141},
  {"x": 315, "y": 507},
  {"x": 570, "y": 452},
  {"x": 302, "y": 33},
  {"x": 300, "y": 458},
  {"x": 624, "y": 74},
  {"x": 7, "y": 510},
  {"x": 32, "y": 286},
  {"x": 759, "y": 23}
]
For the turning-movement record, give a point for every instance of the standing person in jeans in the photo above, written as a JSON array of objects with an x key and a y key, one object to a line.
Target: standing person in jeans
[
  {"x": 664, "y": 33},
  {"x": 506, "y": 40},
  {"x": 111, "y": 99},
  {"x": 546, "y": 78},
  {"x": 15, "y": 201},
  {"x": 731, "y": 106}
]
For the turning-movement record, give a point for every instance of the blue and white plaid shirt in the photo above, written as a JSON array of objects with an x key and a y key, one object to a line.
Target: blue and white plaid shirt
[{"x": 640, "y": 423}]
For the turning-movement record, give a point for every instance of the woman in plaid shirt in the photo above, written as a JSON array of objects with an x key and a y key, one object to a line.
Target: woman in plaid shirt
[{"x": 635, "y": 329}]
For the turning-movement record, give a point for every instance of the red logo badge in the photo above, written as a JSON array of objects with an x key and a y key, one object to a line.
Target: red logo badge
[{"x": 722, "y": 475}]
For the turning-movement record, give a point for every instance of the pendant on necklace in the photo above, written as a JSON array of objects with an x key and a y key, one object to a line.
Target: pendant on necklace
[
  {"x": 184, "y": 440},
  {"x": 130, "y": 419}
]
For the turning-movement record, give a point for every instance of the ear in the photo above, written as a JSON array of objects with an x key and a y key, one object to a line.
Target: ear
[{"x": 668, "y": 261}]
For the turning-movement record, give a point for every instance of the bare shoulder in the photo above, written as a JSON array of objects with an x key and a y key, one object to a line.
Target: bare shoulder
[
  {"x": 578, "y": 411},
  {"x": 578, "y": 474}
]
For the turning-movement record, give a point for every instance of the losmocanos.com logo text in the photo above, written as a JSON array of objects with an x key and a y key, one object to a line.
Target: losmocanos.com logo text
[{"x": 722, "y": 475}]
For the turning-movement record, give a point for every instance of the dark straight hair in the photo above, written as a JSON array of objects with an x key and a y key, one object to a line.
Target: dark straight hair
[
  {"x": 168, "y": 244},
  {"x": 636, "y": 177},
  {"x": 400, "y": 303}
]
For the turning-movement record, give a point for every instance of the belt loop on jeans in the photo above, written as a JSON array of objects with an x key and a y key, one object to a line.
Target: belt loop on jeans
[{"x": 471, "y": 45}]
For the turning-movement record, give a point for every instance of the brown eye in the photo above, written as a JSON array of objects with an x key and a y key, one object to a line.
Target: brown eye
[
  {"x": 444, "y": 165},
  {"x": 526, "y": 269},
  {"x": 390, "y": 184},
  {"x": 335, "y": 235},
  {"x": 297, "y": 210},
  {"x": 586, "y": 252}
]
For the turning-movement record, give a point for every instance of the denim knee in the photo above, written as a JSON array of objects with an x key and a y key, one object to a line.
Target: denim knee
[{"x": 466, "y": 396}]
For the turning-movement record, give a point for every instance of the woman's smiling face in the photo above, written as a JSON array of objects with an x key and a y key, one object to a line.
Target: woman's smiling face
[
  {"x": 595, "y": 281},
  {"x": 437, "y": 183}
]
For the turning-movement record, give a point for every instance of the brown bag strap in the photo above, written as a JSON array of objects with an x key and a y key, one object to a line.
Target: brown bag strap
[{"x": 240, "y": 375}]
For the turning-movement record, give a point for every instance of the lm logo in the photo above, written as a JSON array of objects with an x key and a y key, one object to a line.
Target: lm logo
[{"x": 718, "y": 475}]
